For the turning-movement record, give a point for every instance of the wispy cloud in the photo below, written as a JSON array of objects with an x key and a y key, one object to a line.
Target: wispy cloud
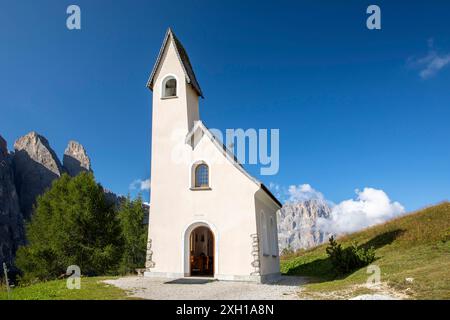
[
  {"x": 430, "y": 64},
  {"x": 143, "y": 185}
]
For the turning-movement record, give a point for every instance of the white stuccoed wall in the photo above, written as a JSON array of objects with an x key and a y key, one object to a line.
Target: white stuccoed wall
[{"x": 231, "y": 208}]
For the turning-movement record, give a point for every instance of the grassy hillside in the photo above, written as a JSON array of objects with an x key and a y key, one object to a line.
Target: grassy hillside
[
  {"x": 415, "y": 246},
  {"x": 91, "y": 289}
]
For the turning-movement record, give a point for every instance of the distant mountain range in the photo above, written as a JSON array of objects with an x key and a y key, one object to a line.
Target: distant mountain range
[{"x": 297, "y": 224}]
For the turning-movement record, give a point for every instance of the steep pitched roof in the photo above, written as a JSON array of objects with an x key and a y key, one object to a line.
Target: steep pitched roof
[
  {"x": 230, "y": 156},
  {"x": 184, "y": 59}
]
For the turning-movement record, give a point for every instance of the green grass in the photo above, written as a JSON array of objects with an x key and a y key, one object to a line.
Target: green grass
[
  {"x": 414, "y": 246},
  {"x": 91, "y": 289}
]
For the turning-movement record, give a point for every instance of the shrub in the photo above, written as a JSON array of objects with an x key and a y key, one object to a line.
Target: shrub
[
  {"x": 287, "y": 251},
  {"x": 351, "y": 258}
]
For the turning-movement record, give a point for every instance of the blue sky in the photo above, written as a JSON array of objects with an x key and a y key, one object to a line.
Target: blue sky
[{"x": 356, "y": 108}]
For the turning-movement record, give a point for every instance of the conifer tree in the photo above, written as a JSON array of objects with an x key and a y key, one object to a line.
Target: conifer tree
[
  {"x": 73, "y": 224},
  {"x": 134, "y": 233}
]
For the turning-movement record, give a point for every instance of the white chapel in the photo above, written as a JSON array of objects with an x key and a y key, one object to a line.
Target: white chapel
[{"x": 208, "y": 217}]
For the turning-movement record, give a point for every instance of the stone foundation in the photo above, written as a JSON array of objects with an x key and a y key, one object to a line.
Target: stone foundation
[
  {"x": 255, "y": 253},
  {"x": 149, "y": 263}
]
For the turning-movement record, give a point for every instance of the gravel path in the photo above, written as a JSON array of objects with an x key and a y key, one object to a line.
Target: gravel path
[{"x": 205, "y": 289}]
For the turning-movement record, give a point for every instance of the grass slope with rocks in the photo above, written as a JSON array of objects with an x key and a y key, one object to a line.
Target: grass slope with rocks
[{"x": 412, "y": 252}]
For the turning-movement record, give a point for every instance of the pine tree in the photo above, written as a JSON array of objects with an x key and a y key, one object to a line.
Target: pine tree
[
  {"x": 73, "y": 224},
  {"x": 134, "y": 233}
]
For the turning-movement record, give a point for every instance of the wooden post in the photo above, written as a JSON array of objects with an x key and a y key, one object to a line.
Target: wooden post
[{"x": 6, "y": 280}]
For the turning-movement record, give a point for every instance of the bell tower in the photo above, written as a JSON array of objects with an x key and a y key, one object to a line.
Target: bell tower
[
  {"x": 175, "y": 89},
  {"x": 175, "y": 107}
]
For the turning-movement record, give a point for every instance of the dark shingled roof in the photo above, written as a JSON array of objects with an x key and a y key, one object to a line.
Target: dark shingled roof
[{"x": 184, "y": 59}]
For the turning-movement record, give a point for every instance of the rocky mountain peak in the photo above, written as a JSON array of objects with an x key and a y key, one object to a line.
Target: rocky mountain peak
[
  {"x": 297, "y": 224},
  {"x": 36, "y": 166},
  {"x": 76, "y": 159},
  {"x": 34, "y": 147}
]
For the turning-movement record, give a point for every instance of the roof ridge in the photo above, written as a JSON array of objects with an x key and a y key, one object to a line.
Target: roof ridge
[
  {"x": 231, "y": 156},
  {"x": 184, "y": 60}
]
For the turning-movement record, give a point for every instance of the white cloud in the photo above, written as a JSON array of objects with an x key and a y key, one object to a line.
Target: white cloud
[
  {"x": 303, "y": 192},
  {"x": 431, "y": 63},
  {"x": 276, "y": 189},
  {"x": 143, "y": 185},
  {"x": 371, "y": 206},
  {"x": 296, "y": 193}
]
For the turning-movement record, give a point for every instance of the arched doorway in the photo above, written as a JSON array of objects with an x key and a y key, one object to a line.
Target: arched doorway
[{"x": 201, "y": 252}]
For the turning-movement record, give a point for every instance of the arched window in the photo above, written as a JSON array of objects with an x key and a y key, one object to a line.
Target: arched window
[
  {"x": 201, "y": 176},
  {"x": 169, "y": 87},
  {"x": 273, "y": 232},
  {"x": 265, "y": 234}
]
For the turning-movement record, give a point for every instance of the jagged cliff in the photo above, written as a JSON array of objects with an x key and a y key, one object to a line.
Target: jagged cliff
[
  {"x": 75, "y": 159},
  {"x": 11, "y": 219},
  {"x": 25, "y": 174},
  {"x": 35, "y": 167},
  {"x": 297, "y": 224}
]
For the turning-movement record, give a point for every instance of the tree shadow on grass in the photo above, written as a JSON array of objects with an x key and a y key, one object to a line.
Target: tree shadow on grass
[
  {"x": 318, "y": 270},
  {"x": 383, "y": 239},
  {"x": 321, "y": 269}
]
